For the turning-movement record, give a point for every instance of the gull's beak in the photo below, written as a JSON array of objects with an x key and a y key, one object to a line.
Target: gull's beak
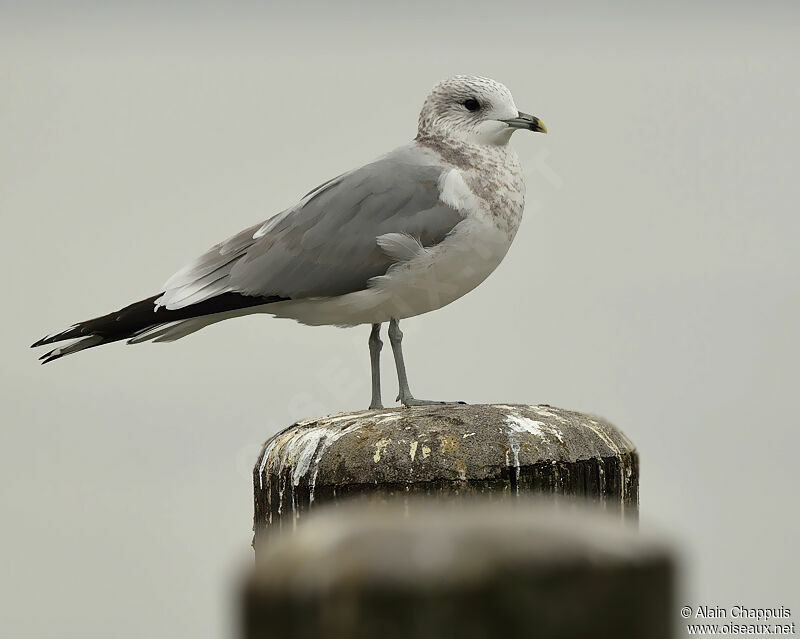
[{"x": 525, "y": 121}]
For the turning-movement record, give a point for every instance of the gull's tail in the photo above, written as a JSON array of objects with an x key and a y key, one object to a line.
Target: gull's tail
[{"x": 143, "y": 321}]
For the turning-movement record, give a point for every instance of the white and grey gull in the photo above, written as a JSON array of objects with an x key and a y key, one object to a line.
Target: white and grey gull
[{"x": 404, "y": 235}]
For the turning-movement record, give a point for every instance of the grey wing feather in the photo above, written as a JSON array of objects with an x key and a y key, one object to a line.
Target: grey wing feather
[
  {"x": 326, "y": 245},
  {"x": 209, "y": 274}
]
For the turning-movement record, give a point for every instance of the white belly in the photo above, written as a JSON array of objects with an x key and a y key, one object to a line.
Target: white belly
[{"x": 433, "y": 278}]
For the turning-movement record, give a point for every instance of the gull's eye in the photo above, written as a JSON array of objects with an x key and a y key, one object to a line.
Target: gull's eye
[{"x": 472, "y": 104}]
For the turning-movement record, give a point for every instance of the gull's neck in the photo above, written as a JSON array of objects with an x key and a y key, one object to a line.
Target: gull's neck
[
  {"x": 491, "y": 171},
  {"x": 464, "y": 154}
]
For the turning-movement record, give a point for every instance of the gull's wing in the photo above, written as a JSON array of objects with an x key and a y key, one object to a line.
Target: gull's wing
[{"x": 328, "y": 243}]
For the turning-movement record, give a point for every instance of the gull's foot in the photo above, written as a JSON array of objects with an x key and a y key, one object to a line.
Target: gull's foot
[
  {"x": 375, "y": 406},
  {"x": 413, "y": 401}
]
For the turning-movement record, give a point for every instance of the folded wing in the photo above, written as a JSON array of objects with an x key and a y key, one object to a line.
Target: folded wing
[{"x": 327, "y": 244}]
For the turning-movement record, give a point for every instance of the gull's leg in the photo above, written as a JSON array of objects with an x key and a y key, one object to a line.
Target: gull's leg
[
  {"x": 405, "y": 397},
  {"x": 375, "y": 346}
]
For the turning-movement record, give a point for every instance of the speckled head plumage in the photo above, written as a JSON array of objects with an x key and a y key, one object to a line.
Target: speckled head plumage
[{"x": 472, "y": 109}]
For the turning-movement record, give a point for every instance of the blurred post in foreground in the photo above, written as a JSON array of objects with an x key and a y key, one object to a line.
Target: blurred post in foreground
[
  {"x": 450, "y": 451},
  {"x": 472, "y": 569}
]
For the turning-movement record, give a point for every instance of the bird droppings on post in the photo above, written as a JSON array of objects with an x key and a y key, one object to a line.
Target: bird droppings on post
[
  {"x": 526, "y": 425},
  {"x": 455, "y": 450}
]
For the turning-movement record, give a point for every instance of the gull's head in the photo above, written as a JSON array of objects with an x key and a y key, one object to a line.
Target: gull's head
[{"x": 475, "y": 110}]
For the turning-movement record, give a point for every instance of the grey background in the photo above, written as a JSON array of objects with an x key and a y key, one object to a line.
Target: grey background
[{"x": 654, "y": 280}]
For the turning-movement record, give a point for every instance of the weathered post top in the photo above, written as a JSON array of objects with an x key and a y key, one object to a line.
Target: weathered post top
[{"x": 453, "y": 450}]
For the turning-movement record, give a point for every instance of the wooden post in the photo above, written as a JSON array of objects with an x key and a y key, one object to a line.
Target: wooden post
[
  {"x": 449, "y": 451},
  {"x": 473, "y": 569}
]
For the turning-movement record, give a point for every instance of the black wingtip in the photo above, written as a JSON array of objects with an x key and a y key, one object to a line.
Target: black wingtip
[
  {"x": 134, "y": 318},
  {"x": 51, "y": 356},
  {"x": 72, "y": 332}
]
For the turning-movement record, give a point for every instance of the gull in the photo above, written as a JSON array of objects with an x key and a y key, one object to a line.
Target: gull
[{"x": 403, "y": 235}]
